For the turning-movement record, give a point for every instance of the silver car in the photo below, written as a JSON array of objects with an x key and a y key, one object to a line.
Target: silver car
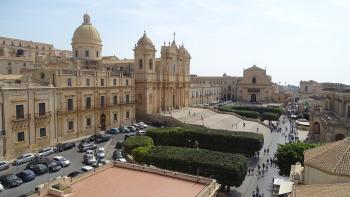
[
  {"x": 4, "y": 165},
  {"x": 26, "y": 157},
  {"x": 46, "y": 151}
]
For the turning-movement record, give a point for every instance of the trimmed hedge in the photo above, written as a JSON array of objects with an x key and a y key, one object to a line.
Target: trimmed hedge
[
  {"x": 246, "y": 143},
  {"x": 228, "y": 169},
  {"x": 270, "y": 116},
  {"x": 140, "y": 153},
  {"x": 247, "y": 114},
  {"x": 137, "y": 141}
]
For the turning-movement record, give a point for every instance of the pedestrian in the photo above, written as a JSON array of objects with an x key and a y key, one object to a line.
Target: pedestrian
[
  {"x": 263, "y": 165},
  {"x": 258, "y": 167},
  {"x": 258, "y": 154},
  {"x": 270, "y": 162},
  {"x": 264, "y": 151},
  {"x": 248, "y": 171},
  {"x": 267, "y": 168},
  {"x": 267, "y": 161},
  {"x": 189, "y": 112},
  {"x": 243, "y": 124},
  {"x": 257, "y": 129},
  {"x": 268, "y": 150},
  {"x": 254, "y": 194}
]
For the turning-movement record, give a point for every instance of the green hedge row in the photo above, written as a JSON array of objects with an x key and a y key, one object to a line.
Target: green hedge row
[
  {"x": 246, "y": 143},
  {"x": 270, "y": 116},
  {"x": 137, "y": 141},
  {"x": 257, "y": 112},
  {"x": 260, "y": 109},
  {"x": 247, "y": 114},
  {"x": 228, "y": 169}
]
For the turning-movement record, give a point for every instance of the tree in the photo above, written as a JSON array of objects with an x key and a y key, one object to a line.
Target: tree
[{"x": 288, "y": 154}]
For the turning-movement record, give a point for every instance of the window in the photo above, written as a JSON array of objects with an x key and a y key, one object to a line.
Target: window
[
  {"x": 19, "y": 53},
  {"x": 69, "y": 82},
  {"x": 20, "y": 136},
  {"x": 88, "y": 102},
  {"x": 9, "y": 71},
  {"x": 42, "y": 109},
  {"x": 76, "y": 53},
  {"x": 127, "y": 82},
  {"x": 140, "y": 63},
  {"x": 87, "y": 53},
  {"x": 127, "y": 99},
  {"x": 24, "y": 64},
  {"x": 127, "y": 115},
  {"x": 102, "y": 101},
  {"x": 151, "y": 64},
  {"x": 348, "y": 111},
  {"x": 115, "y": 99},
  {"x": 42, "y": 75},
  {"x": 229, "y": 88},
  {"x": 306, "y": 88},
  {"x": 19, "y": 111},
  {"x": 87, "y": 82},
  {"x": 96, "y": 53},
  {"x": 114, "y": 82},
  {"x": 88, "y": 122},
  {"x": 254, "y": 80},
  {"x": 115, "y": 116},
  {"x": 102, "y": 81},
  {"x": 42, "y": 132},
  {"x": 70, "y": 104},
  {"x": 70, "y": 125}
]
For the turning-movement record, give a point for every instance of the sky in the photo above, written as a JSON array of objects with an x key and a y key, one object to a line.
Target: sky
[{"x": 294, "y": 40}]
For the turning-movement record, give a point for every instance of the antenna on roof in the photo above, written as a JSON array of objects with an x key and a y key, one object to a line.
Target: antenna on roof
[{"x": 174, "y": 36}]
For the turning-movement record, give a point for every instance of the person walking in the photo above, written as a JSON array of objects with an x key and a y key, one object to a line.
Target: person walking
[
  {"x": 243, "y": 124},
  {"x": 248, "y": 171},
  {"x": 268, "y": 150},
  {"x": 264, "y": 151},
  {"x": 257, "y": 129}
]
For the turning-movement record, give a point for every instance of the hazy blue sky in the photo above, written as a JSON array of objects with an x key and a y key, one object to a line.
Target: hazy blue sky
[{"x": 295, "y": 40}]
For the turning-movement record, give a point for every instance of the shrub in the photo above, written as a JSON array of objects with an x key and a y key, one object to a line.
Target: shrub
[
  {"x": 228, "y": 169},
  {"x": 288, "y": 154},
  {"x": 218, "y": 140},
  {"x": 259, "y": 109},
  {"x": 137, "y": 141},
  {"x": 247, "y": 114},
  {"x": 139, "y": 154},
  {"x": 270, "y": 116}
]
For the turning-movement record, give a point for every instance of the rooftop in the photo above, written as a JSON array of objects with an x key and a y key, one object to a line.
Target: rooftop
[
  {"x": 126, "y": 182},
  {"x": 324, "y": 190},
  {"x": 333, "y": 158}
]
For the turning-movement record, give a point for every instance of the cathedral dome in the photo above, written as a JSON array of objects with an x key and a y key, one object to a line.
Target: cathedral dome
[
  {"x": 86, "y": 33},
  {"x": 145, "y": 42}
]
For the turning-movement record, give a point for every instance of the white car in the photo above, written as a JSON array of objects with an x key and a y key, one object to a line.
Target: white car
[
  {"x": 101, "y": 153},
  {"x": 142, "y": 124},
  {"x": 46, "y": 151},
  {"x": 1, "y": 188},
  {"x": 63, "y": 162},
  {"x": 26, "y": 157},
  {"x": 89, "y": 152},
  {"x": 87, "y": 168},
  {"x": 141, "y": 132},
  {"x": 121, "y": 160}
]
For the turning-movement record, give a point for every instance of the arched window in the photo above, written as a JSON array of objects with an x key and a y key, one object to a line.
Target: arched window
[
  {"x": 96, "y": 53},
  {"x": 24, "y": 64},
  {"x": 9, "y": 64},
  {"x": 87, "y": 53},
  {"x": 151, "y": 64},
  {"x": 254, "y": 80},
  {"x": 140, "y": 64},
  {"x": 76, "y": 53}
]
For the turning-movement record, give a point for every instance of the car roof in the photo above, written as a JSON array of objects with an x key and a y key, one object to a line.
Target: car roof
[
  {"x": 58, "y": 157},
  {"x": 87, "y": 167}
]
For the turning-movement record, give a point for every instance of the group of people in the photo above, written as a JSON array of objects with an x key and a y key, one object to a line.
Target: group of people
[{"x": 257, "y": 193}]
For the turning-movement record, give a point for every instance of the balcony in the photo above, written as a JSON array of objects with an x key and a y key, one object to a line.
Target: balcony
[
  {"x": 42, "y": 119},
  {"x": 20, "y": 122},
  {"x": 66, "y": 110}
]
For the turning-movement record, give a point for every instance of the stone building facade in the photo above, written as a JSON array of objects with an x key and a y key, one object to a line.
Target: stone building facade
[
  {"x": 61, "y": 95},
  {"x": 330, "y": 121},
  {"x": 205, "y": 90},
  {"x": 254, "y": 87}
]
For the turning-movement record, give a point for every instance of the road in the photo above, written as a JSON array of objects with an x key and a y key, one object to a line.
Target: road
[
  {"x": 271, "y": 141},
  {"x": 73, "y": 155}
]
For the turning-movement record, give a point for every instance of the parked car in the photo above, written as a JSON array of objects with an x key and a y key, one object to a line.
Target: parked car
[
  {"x": 73, "y": 174},
  {"x": 117, "y": 154},
  {"x": 35, "y": 162},
  {"x": 46, "y": 151},
  {"x": 24, "y": 158},
  {"x": 63, "y": 162},
  {"x": 119, "y": 145},
  {"x": 132, "y": 128},
  {"x": 121, "y": 160},
  {"x": 40, "y": 169},
  {"x": 53, "y": 166},
  {"x": 88, "y": 146},
  {"x": 94, "y": 137},
  {"x": 158, "y": 124},
  {"x": 4, "y": 165},
  {"x": 84, "y": 141},
  {"x": 102, "y": 138},
  {"x": 26, "y": 175},
  {"x": 10, "y": 180},
  {"x": 65, "y": 146},
  {"x": 87, "y": 168},
  {"x": 136, "y": 126},
  {"x": 100, "y": 153},
  {"x": 141, "y": 132},
  {"x": 1, "y": 188},
  {"x": 113, "y": 131},
  {"x": 89, "y": 159},
  {"x": 142, "y": 124},
  {"x": 124, "y": 130}
]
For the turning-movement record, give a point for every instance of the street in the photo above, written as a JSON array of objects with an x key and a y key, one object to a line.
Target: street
[
  {"x": 72, "y": 155},
  {"x": 264, "y": 181}
]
